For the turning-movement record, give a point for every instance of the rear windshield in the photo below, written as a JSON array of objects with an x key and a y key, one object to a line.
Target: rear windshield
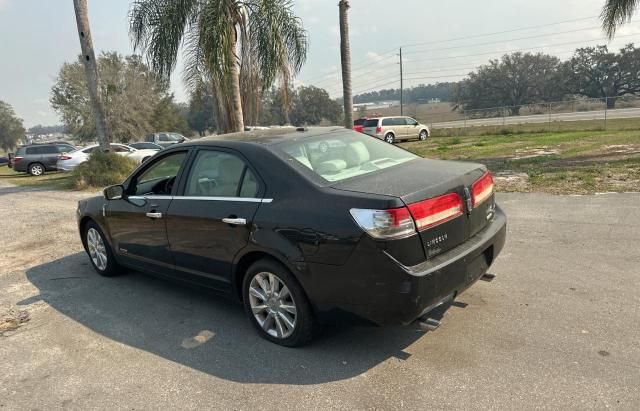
[
  {"x": 371, "y": 123},
  {"x": 340, "y": 156}
]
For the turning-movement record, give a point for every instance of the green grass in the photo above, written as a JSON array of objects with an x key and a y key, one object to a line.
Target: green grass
[
  {"x": 53, "y": 180},
  {"x": 562, "y": 162}
]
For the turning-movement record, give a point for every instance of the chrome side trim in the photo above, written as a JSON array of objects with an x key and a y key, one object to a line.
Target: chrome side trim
[{"x": 195, "y": 198}]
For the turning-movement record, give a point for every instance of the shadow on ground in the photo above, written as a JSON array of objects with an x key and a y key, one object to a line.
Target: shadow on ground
[{"x": 203, "y": 331}]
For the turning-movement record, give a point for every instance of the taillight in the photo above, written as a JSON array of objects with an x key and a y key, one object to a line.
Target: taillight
[
  {"x": 16, "y": 159},
  {"x": 385, "y": 224},
  {"x": 482, "y": 189},
  {"x": 435, "y": 211},
  {"x": 63, "y": 157},
  {"x": 378, "y": 130}
]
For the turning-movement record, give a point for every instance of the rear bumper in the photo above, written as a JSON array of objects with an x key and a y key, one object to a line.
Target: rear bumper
[{"x": 375, "y": 287}]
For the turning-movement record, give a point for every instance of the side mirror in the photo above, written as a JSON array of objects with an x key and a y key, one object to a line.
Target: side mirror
[{"x": 115, "y": 192}]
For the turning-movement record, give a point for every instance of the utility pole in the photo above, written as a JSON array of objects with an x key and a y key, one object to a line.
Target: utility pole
[{"x": 401, "y": 86}]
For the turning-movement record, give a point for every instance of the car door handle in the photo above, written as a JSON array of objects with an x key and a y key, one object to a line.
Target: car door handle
[
  {"x": 235, "y": 221},
  {"x": 154, "y": 215}
]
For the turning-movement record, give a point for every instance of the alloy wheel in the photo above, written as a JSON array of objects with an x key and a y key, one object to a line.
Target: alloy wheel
[
  {"x": 36, "y": 170},
  {"x": 97, "y": 250},
  {"x": 389, "y": 138},
  {"x": 423, "y": 135},
  {"x": 272, "y": 305}
]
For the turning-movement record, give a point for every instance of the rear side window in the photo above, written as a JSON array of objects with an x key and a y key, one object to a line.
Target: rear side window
[
  {"x": 149, "y": 137},
  {"x": 33, "y": 150},
  {"x": 20, "y": 151},
  {"x": 388, "y": 122},
  {"x": 49, "y": 150},
  {"x": 371, "y": 123},
  {"x": 220, "y": 174}
]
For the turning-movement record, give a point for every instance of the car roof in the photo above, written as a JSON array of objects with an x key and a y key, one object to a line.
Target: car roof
[{"x": 266, "y": 137}]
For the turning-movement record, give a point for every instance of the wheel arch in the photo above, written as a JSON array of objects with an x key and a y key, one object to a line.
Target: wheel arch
[{"x": 246, "y": 260}]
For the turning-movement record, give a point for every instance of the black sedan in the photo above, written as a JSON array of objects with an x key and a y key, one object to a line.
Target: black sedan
[{"x": 302, "y": 225}]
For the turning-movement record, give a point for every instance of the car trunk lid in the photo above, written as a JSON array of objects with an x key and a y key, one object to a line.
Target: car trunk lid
[{"x": 423, "y": 179}]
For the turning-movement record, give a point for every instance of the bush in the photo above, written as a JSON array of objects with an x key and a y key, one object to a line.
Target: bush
[{"x": 102, "y": 169}]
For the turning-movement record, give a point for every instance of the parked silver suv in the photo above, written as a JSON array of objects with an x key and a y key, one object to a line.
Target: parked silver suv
[{"x": 392, "y": 129}]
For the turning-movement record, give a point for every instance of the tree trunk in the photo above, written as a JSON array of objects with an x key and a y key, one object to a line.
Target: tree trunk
[
  {"x": 236, "y": 121},
  {"x": 345, "y": 56},
  {"x": 91, "y": 72}
]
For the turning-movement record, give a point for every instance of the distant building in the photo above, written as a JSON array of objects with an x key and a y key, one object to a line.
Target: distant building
[
  {"x": 433, "y": 101},
  {"x": 376, "y": 105}
]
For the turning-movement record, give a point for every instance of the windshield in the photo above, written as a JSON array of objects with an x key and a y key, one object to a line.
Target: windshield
[{"x": 340, "y": 156}]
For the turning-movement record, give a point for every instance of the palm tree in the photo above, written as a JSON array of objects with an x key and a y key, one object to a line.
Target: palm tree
[
  {"x": 91, "y": 72},
  {"x": 617, "y": 12},
  {"x": 345, "y": 57},
  {"x": 229, "y": 43}
]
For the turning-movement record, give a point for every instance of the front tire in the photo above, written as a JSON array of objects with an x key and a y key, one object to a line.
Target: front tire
[
  {"x": 423, "y": 135},
  {"x": 389, "y": 138},
  {"x": 99, "y": 251},
  {"x": 36, "y": 169},
  {"x": 277, "y": 305}
]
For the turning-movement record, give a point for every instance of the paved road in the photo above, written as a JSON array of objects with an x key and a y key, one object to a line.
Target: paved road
[
  {"x": 543, "y": 118},
  {"x": 558, "y": 328}
]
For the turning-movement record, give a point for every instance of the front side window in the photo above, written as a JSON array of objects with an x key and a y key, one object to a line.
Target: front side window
[
  {"x": 63, "y": 148},
  {"x": 159, "y": 178},
  {"x": 164, "y": 137},
  {"x": 220, "y": 174},
  {"x": 412, "y": 122},
  {"x": 340, "y": 156}
]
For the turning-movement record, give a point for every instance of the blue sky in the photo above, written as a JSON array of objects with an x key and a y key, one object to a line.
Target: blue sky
[{"x": 37, "y": 36}]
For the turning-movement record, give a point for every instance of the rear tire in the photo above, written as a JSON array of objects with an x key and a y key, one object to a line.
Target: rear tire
[
  {"x": 99, "y": 251},
  {"x": 36, "y": 169},
  {"x": 389, "y": 138},
  {"x": 277, "y": 305}
]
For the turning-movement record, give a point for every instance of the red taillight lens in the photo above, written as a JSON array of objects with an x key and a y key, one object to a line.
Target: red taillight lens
[
  {"x": 378, "y": 130},
  {"x": 384, "y": 224},
  {"x": 482, "y": 189},
  {"x": 435, "y": 211},
  {"x": 63, "y": 157},
  {"x": 16, "y": 159}
]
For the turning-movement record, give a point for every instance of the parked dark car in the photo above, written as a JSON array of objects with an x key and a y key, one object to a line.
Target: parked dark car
[
  {"x": 165, "y": 139},
  {"x": 146, "y": 146},
  {"x": 4, "y": 161},
  {"x": 361, "y": 230},
  {"x": 36, "y": 159}
]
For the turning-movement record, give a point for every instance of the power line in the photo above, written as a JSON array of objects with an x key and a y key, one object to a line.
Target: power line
[
  {"x": 514, "y": 50},
  {"x": 501, "y": 32},
  {"x": 502, "y": 41}
]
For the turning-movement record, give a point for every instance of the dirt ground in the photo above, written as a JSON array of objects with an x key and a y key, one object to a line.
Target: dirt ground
[{"x": 557, "y": 328}]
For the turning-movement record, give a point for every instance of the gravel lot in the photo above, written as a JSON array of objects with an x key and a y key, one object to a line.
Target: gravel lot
[{"x": 557, "y": 328}]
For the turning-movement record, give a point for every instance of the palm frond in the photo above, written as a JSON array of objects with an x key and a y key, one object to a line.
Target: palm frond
[
  {"x": 617, "y": 12},
  {"x": 278, "y": 38},
  {"x": 157, "y": 28}
]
